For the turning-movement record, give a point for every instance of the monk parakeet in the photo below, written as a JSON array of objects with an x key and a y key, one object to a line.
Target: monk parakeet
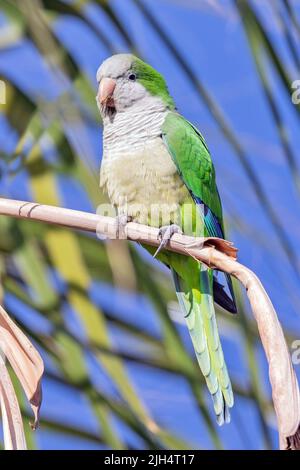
[{"x": 154, "y": 159}]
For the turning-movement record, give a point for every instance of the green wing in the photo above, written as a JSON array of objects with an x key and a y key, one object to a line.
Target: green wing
[{"x": 192, "y": 158}]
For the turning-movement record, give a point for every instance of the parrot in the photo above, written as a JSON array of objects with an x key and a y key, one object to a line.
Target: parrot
[{"x": 157, "y": 170}]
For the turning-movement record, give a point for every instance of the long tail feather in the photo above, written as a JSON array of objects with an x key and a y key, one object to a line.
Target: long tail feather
[{"x": 197, "y": 305}]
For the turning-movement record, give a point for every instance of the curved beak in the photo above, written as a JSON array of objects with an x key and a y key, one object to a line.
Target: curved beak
[{"x": 106, "y": 90}]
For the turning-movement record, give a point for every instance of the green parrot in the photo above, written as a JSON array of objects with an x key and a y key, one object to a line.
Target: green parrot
[{"x": 157, "y": 170}]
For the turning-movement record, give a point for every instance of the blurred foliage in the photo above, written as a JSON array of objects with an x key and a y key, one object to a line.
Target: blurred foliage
[{"x": 51, "y": 270}]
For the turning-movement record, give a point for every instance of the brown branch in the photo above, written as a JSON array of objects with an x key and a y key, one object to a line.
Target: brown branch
[{"x": 215, "y": 253}]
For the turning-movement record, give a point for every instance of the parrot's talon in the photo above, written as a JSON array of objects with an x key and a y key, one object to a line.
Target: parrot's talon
[
  {"x": 164, "y": 236},
  {"x": 121, "y": 222}
]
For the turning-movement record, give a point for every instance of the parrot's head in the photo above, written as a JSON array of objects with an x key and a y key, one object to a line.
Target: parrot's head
[{"x": 126, "y": 81}]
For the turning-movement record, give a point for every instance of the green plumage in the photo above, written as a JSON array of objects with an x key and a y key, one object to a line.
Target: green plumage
[
  {"x": 193, "y": 160},
  {"x": 153, "y": 81}
]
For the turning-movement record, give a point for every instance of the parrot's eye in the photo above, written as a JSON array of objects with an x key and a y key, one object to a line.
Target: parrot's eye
[{"x": 132, "y": 77}]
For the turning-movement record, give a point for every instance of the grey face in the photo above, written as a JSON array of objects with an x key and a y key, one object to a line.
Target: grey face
[
  {"x": 115, "y": 66},
  {"x": 118, "y": 85}
]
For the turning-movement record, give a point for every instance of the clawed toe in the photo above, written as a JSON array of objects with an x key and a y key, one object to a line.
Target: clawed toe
[{"x": 164, "y": 236}]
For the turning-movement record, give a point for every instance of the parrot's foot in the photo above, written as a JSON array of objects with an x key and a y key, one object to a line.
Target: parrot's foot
[
  {"x": 121, "y": 222},
  {"x": 164, "y": 236}
]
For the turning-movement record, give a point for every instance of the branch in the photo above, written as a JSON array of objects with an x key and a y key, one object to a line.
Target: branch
[{"x": 217, "y": 254}]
